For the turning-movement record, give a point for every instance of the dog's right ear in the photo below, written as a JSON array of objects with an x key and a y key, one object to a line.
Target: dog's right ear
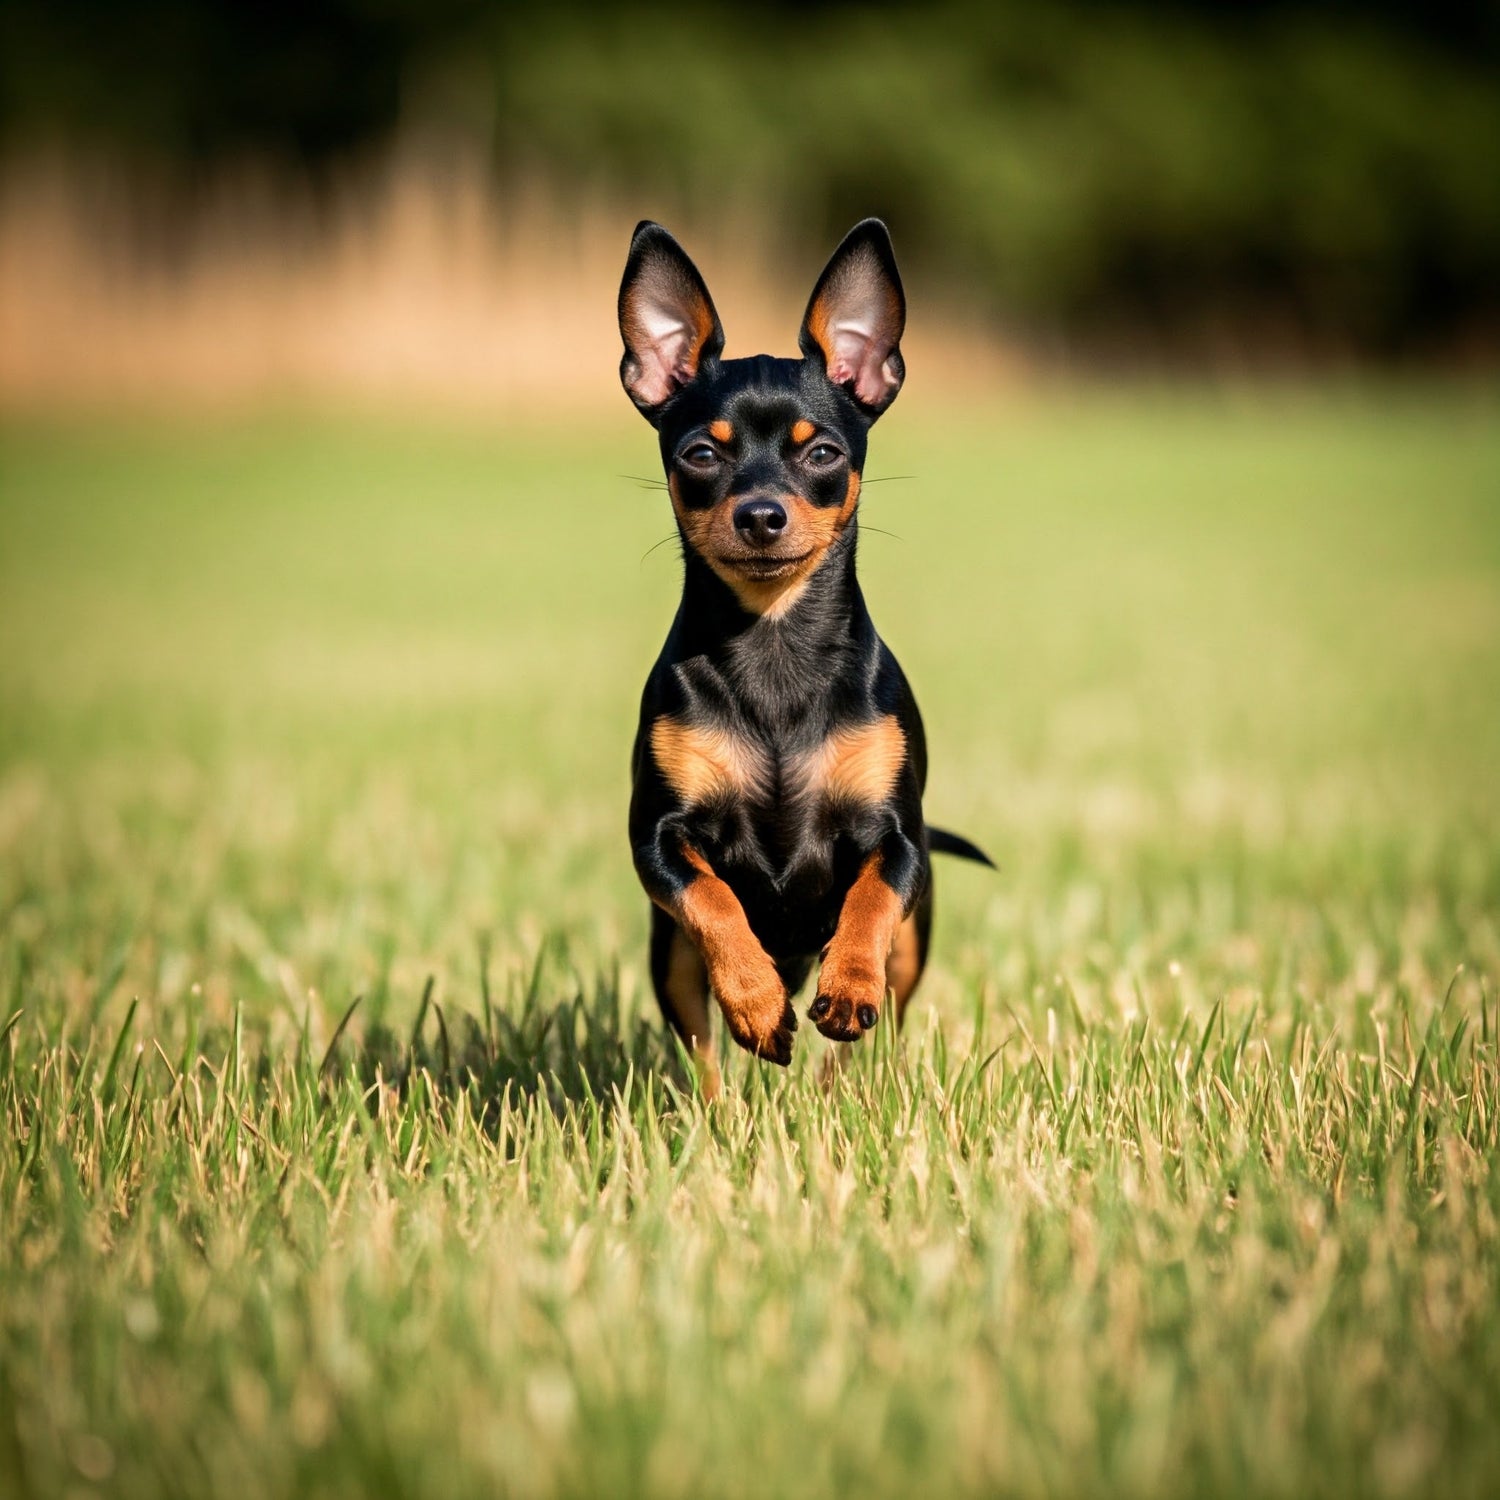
[
  {"x": 667, "y": 320},
  {"x": 856, "y": 317}
]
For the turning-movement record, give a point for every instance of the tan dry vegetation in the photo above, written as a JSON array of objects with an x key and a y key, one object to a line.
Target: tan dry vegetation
[{"x": 414, "y": 280}]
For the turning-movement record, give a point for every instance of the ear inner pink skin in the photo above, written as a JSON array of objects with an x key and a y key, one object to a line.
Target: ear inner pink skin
[
  {"x": 860, "y": 327},
  {"x": 860, "y": 356},
  {"x": 665, "y": 325}
]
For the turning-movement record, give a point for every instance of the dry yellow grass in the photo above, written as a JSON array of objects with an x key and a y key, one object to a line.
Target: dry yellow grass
[{"x": 415, "y": 280}]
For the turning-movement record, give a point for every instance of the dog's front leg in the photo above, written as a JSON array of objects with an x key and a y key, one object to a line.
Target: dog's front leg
[
  {"x": 740, "y": 972},
  {"x": 852, "y": 982}
]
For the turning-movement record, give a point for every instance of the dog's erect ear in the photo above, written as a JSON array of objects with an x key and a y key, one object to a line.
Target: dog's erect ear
[
  {"x": 856, "y": 317},
  {"x": 667, "y": 320}
]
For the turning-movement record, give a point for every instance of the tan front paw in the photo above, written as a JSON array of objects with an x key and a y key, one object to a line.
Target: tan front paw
[
  {"x": 848, "y": 1000},
  {"x": 759, "y": 1014}
]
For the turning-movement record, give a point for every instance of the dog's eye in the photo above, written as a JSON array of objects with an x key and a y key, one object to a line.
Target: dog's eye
[
  {"x": 823, "y": 455},
  {"x": 699, "y": 456}
]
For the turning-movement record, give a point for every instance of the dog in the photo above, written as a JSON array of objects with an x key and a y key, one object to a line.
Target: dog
[{"x": 779, "y": 764}]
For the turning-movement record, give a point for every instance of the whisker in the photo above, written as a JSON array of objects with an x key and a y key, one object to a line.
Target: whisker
[
  {"x": 865, "y": 526},
  {"x": 886, "y": 479},
  {"x": 662, "y": 543},
  {"x": 644, "y": 482}
]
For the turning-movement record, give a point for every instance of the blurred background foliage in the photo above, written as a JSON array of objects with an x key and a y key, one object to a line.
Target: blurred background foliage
[{"x": 1317, "y": 177}]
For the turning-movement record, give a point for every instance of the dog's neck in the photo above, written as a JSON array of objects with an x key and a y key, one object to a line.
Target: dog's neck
[{"x": 782, "y": 665}]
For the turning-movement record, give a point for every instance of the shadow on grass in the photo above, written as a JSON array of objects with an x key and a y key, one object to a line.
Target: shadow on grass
[{"x": 585, "y": 1046}]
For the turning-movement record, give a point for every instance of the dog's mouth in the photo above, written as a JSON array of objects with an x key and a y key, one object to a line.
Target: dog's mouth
[{"x": 759, "y": 566}]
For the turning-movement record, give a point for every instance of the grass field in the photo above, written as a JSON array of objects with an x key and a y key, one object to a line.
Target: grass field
[{"x": 1184, "y": 1178}]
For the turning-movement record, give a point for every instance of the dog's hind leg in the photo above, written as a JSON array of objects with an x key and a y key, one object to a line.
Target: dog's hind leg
[
  {"x": 680, "y": 978},
  {"x": 908, "y": 956}
]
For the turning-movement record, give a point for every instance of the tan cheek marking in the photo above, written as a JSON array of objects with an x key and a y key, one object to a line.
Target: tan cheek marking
[
  {"x": 701, "y": 764},
  {"x": 858, "y": 764},
  {"x": 802, "y": 430},
  {"x": 696, "y": 524},
  {"x": 851, "y": 499},
  {"x": 819, "y": 524},
  {"x": 820, "y": 527},
  {"x": 721, "y": 431}
]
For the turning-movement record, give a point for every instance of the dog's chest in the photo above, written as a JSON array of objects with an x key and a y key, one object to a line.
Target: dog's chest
[{"x": 712, "y": 762}]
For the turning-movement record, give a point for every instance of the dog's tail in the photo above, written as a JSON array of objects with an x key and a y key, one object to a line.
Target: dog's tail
[{"x": 940, "y": 841}]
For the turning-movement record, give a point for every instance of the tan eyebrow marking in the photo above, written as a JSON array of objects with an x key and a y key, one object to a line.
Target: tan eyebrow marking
[
  {"x": 802, "y": 429},
  {"x": 721, "y": 431},
  {"x": 703, "y": 763}
]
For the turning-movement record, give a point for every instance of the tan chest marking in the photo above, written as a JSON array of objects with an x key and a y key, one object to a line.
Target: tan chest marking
[
  {"x": 702, "y": 763},
  {"x": 855, "y": 764}
]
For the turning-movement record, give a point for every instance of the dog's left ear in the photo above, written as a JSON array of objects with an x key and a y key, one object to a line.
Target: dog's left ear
[{"x": 856, "y": 317}]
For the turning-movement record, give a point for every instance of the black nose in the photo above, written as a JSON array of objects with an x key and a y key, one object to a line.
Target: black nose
[{"x": 760, "y": 522}]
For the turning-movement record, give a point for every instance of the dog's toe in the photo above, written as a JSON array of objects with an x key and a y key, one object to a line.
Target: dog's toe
[{"x": 841, "y": 1020}]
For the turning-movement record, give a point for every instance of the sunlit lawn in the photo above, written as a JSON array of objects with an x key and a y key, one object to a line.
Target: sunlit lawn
[{"x": 1183, "y": 1177}]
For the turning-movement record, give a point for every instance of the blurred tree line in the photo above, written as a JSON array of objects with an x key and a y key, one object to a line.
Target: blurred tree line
[{"x": 1334, "y": 169}]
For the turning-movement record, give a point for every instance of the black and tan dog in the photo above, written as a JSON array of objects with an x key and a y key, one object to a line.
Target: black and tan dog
[{"x": 780, "y": 761}]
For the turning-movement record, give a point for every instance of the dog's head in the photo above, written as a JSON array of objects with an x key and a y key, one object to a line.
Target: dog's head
[{"x": 763, "y": 456}]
